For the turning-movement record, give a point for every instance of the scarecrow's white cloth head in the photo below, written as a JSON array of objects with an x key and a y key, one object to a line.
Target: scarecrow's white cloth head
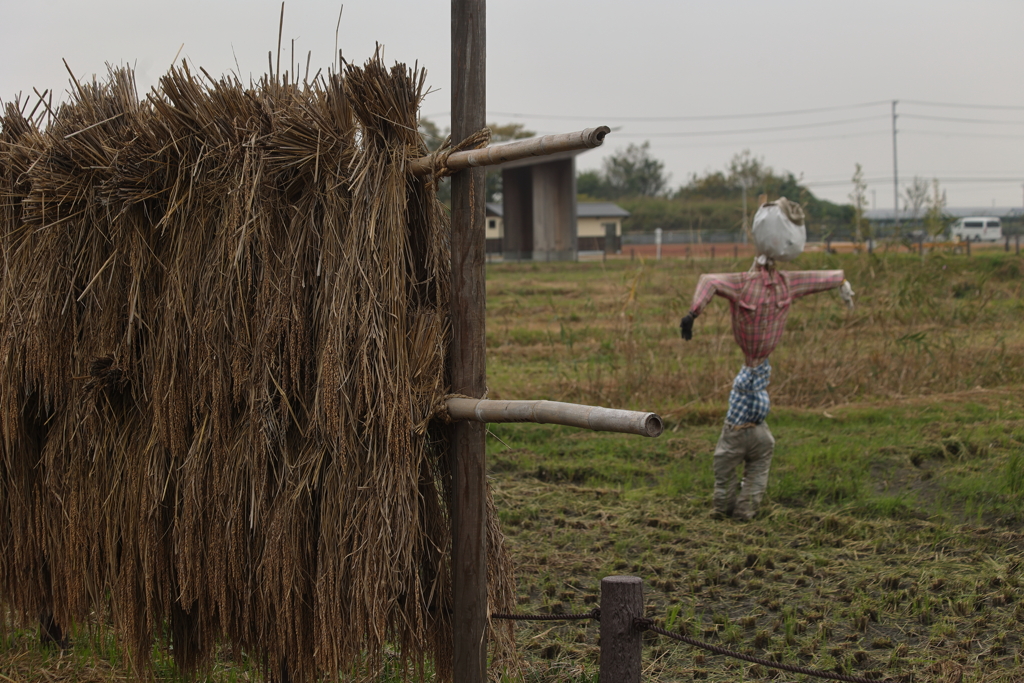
[{"x": 779, "y": 231}]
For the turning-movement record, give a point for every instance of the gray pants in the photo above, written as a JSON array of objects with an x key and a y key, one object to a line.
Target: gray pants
[{"x": 753, "y": 448}]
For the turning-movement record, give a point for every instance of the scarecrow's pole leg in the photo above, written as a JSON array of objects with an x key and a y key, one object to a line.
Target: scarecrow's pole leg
[{"x": 469, "y": 540}]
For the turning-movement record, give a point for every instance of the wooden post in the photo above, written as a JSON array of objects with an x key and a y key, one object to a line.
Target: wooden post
[
  {"x": 467, "y": 363},
  {"x": 968, "y": 247},
  {"x": 622, "y": 601},
  {"x": 1016, "y": 239}
]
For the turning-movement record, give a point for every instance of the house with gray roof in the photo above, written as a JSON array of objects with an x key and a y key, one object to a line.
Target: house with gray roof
[{"x": 598, "y": 229}]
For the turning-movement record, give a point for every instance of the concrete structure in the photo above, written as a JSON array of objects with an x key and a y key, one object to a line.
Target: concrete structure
[
  {"x": 539, "y": 208},
  {"x": 598, "y": 228}
]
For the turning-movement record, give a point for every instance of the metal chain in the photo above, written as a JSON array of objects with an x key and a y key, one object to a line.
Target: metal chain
[
  {"x": 592, "y": 614},
  {"x": 644, "y": 624}
]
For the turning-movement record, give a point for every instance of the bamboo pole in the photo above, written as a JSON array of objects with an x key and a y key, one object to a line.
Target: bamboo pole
[
  {"x": 512, "y": 151},
  {"x": 554, "y": 412}
]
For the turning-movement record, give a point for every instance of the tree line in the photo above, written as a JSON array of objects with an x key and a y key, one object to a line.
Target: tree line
[{"x": 720, "y": 200}]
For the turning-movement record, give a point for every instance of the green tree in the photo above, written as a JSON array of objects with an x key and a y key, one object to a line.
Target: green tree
[
  {"x": 633, "y": 172},
  {"x": 709, "y": 186},
  {"x": 592, "y": 185},
  {"x": 914, "y": 197},
  {"x": 859, "y": 198},
  {"x": 935, "y": 219},
  {"x": 747, "y": 171}
]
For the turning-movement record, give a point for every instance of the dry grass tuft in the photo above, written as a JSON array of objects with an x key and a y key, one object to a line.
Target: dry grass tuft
[{"x": 223, "y": 338}]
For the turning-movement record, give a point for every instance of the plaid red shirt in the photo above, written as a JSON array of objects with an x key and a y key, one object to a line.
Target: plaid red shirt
[{"x": 760, "y": 300}]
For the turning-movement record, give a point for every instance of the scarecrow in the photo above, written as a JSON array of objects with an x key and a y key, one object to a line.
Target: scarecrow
[{"x": 759, "y": 300}]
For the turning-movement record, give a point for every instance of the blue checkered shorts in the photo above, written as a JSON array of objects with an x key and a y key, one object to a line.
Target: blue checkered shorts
[{"x": 748, "y": 400}]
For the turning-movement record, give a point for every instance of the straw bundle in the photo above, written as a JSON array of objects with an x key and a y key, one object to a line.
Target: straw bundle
[{"x": 224, "y": 330}]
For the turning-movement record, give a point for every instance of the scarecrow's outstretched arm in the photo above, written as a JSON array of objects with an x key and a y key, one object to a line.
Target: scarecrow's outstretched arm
[
  {"x": 727, "y": 285},
  {"x": 804, "y": 282}
]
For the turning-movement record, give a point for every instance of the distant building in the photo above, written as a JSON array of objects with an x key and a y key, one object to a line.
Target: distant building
[
  {"x": 494, "y": 227},
  {"x": 598, "y": 228}
]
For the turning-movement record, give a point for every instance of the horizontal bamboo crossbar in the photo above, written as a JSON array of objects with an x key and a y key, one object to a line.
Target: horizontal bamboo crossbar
[
  {"x": 554, "y": 412},
  {"x": 512, "y": 151}
]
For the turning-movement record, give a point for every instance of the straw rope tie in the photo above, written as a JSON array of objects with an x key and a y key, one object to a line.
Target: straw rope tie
[
  {"x": 441, "y": 411},
  {"x": 439, "y": 159}
]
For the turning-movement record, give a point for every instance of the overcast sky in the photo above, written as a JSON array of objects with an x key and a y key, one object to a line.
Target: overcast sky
[{"x": 701, "y": 81}]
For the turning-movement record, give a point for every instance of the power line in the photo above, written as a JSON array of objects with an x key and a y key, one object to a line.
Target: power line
[
  {"x": 888, "y": 179},
  {"x": 959, "y": 120},
  {"x": 813, "y": 138},
  {"x": 738, "y": 131},
  {"x": 951, "y": 134},
  {"x": 718, "y": 117},
  {"x": 964, "y": 106},
  {"x": 708, "y": 117}
]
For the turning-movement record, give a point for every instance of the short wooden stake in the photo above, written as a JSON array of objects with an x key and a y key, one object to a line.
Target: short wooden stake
[{"x": 622, "y": 601}]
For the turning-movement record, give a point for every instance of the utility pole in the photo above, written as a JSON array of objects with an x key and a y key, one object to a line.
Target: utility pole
[
  {"x": 467, "y": 360},
  {"x": 895, "y": 177}
]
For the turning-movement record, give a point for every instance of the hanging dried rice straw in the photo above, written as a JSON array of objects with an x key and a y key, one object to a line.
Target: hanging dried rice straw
[{"x": 224, "y": 331}]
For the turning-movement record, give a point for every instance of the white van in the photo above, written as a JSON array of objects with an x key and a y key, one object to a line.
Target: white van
[{"x": 976, "y": 229}]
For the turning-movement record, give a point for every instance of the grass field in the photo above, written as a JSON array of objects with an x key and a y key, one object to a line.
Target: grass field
[{"x": 891, "y": 541}]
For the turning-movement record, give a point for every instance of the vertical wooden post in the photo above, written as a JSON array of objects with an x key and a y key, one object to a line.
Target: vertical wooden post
[
  {"x": 622, "y": 601},
  {"x": 469, "y": 373}
]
